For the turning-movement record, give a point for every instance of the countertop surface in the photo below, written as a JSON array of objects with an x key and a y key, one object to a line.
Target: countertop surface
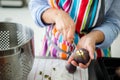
[{"x": 54, "y": 69}]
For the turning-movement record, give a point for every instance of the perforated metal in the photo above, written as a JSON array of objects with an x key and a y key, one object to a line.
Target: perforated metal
[
  {"x": 4, "y": 40},
  {"x": 21, "y": 37},
  {"x": 16, "y": 54}
]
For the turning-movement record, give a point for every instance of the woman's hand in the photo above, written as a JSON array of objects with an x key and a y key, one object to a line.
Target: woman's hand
[
  {"x": 63, "y": 22},
  {"x": 65, "y": 25},
  {"x": 88, "y": 42}
]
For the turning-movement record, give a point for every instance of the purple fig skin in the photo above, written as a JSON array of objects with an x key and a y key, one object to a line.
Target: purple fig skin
[
  {"x": 81, "y": 56},
  {"x": 84, "y": 58},
  {"x": 70, "y": 68}
]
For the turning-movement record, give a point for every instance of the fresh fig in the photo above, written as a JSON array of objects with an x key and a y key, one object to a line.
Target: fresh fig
[
  {"x": 80, "y": 56},
  {"x": 70, "y": 68}
]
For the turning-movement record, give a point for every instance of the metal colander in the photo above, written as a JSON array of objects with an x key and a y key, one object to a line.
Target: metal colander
[{"x": 16, "y": 51}]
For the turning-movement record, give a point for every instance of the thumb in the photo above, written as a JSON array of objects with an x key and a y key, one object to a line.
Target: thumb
[{"x": 91, "y": 53}]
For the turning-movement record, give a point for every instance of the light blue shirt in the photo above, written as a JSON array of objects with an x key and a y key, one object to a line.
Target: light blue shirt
[{"x": 110, "y": 27}]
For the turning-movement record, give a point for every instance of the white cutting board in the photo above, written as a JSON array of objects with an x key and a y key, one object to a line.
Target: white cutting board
[{"x": 55, "y": 69}]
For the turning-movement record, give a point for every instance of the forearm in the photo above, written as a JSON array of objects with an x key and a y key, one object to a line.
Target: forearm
[
  {"x": 53, "y": 15},
  {"x": 97, "y": 36},
  {"x": 48, "y": 16},
  {"x": 110, "y": 32}
]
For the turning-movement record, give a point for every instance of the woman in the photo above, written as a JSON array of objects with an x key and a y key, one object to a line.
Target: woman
[{"x": 74, "y": 24}]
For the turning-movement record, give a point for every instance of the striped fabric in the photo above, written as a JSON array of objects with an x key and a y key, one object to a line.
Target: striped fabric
[{"x": 86, "y": 14}]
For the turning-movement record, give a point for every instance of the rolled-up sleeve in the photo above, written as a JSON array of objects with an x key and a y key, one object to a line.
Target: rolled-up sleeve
[
  {"x": 111, "y": 25},
  {"x": 37, "y": 7}
]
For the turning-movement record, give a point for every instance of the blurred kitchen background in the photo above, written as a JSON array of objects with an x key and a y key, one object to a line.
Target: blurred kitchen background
[{"x": 17, "y": 11}]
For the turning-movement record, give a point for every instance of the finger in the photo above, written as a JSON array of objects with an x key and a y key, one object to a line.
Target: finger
[
  {"x": 70, "y": 35},
  {"x": 70, "y": 59},
  {"x": 91, "y": 52},
  {"x": 83, "y": 66},
  {"x": 58, "y": 28},
  {"x": 64, "y": 34},
  {"x": 74, "y": 63},
  {"x": 78, "y": 46},
  {"x": 86, "y": 65},
  {"x": 91, "y": 55},
  {"x": 60, "y": 31}
]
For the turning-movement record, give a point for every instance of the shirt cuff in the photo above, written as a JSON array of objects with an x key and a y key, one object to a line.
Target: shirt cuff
[
  {"x": 39, "y": 16},
  {"x": 109, "y": 32}
]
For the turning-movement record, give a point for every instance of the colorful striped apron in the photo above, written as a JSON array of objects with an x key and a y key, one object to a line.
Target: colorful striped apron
[{"x": 86, "y": 14}]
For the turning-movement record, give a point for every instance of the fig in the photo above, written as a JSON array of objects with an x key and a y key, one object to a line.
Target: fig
[
  {"x": 70, "y": 68},
  {"x": 80, "y": 56}
]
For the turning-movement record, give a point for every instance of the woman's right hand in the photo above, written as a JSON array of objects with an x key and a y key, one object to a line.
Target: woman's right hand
[
  {"x": 63, "y": 22},
  {"x": 65, "y": 25}
]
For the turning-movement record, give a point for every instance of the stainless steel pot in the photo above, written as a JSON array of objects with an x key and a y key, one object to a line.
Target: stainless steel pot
[{"x": 16, "y": 51}]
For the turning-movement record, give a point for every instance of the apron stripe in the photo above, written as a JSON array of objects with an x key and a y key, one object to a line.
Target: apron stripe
[
  {"x": 60, "y": 4},
  {"x": 76, "y": 38},
  {"x": 77, "y": 10},
  {"x": 97, "y": 13},
  {"x": 57, "y": 1},
  {"x": 100, "y": 19},
  {"x": 73, "y": 9},
  {"x": 89, "y": 15},
  {"x": 106, "y": 51},
  {"x": 45, "y": 48},
  {"x": 99, "y": 53},
  {"x": 93, "y": 13},
  {"x": 53, "y": 3},
  {"x": 81, "y": 14},
  {"x": 66, "y": 5},
  {"x": 63, "y": 55},
  {"x": 86, "y": 14},
  {"x": 54, "y": 52}
]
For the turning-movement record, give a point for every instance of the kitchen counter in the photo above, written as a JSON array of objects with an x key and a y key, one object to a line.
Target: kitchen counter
[{"x": 54, "y": 69}]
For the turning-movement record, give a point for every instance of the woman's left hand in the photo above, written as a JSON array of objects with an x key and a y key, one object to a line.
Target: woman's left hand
[{"x": 88, "y": 42}]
